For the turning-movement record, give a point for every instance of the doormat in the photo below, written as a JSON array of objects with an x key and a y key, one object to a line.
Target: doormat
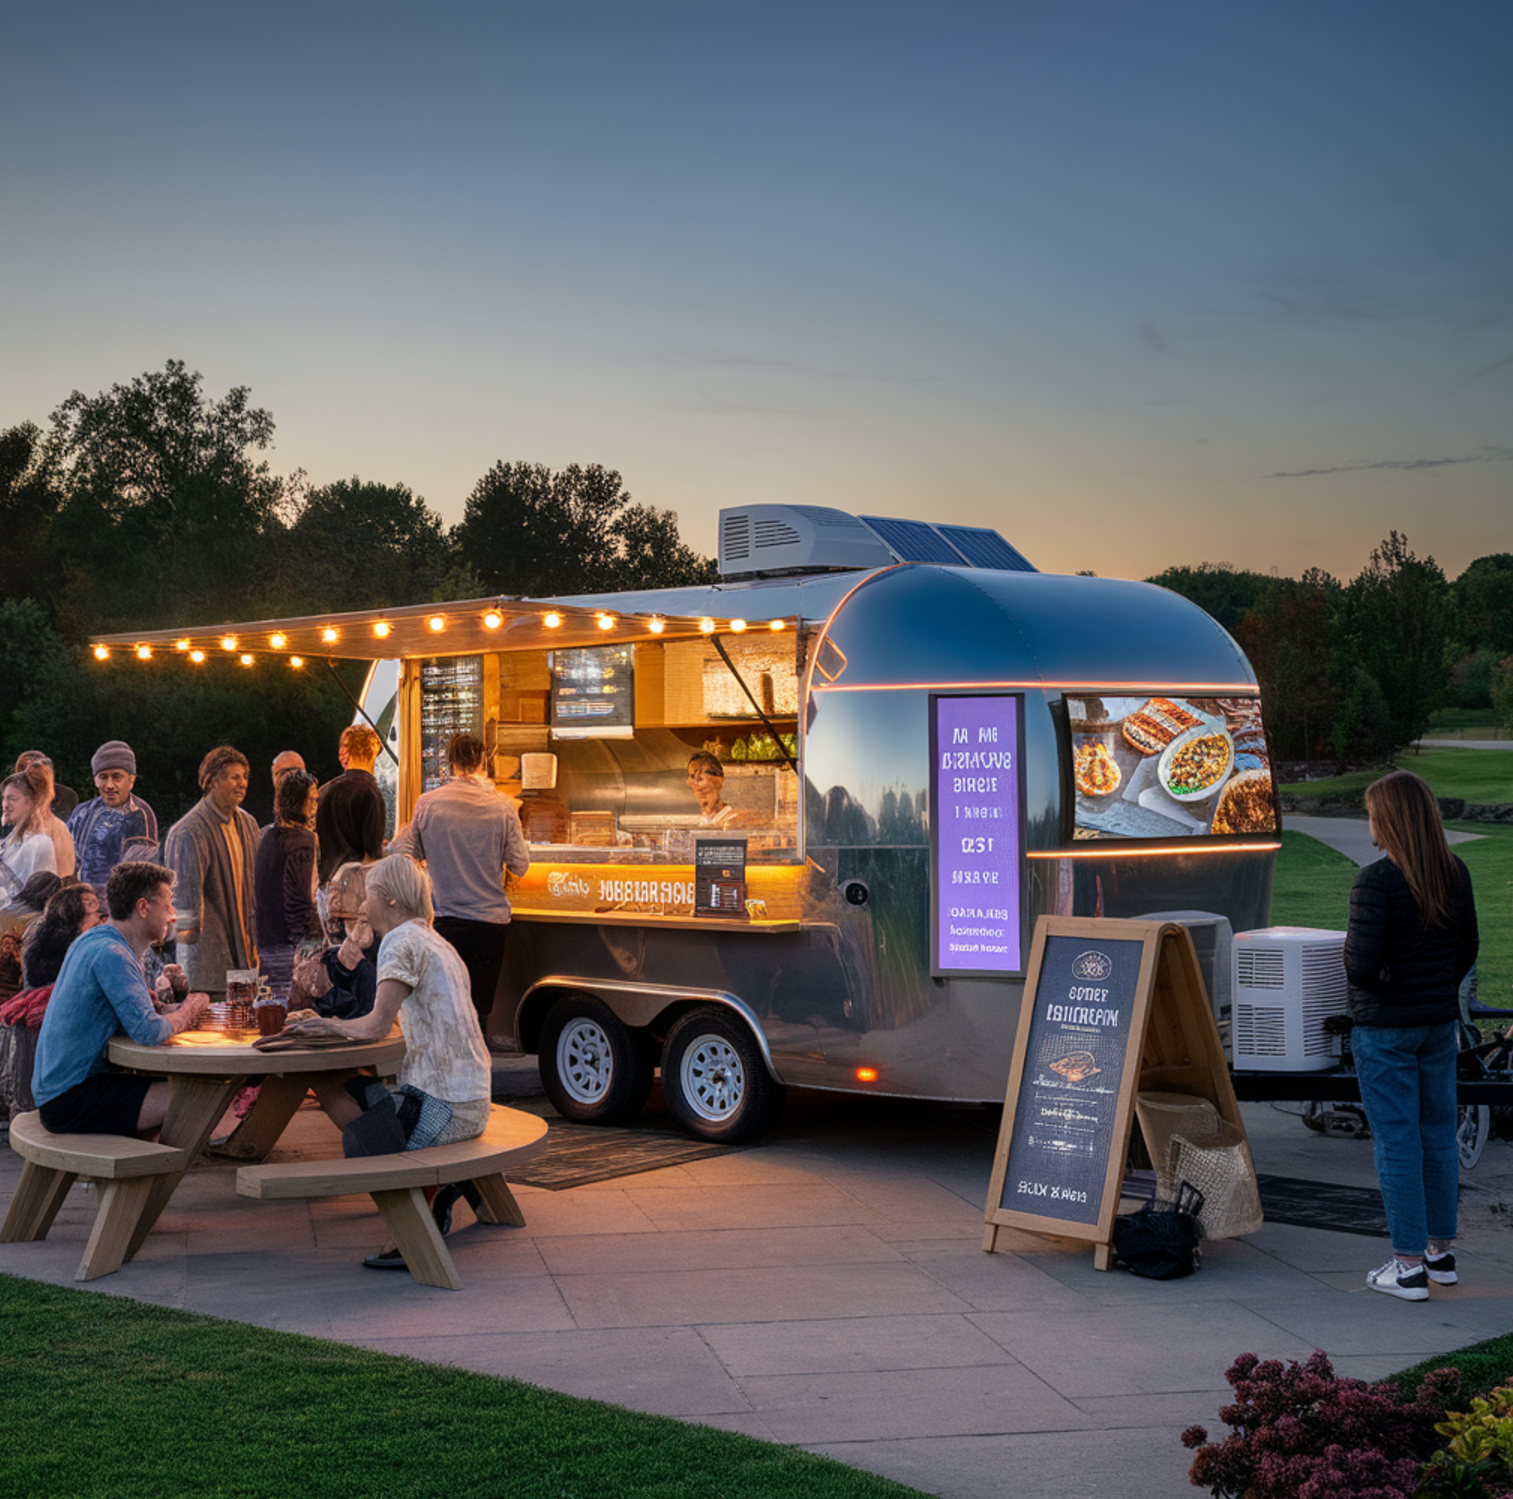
[
  {"x": 1304, "y": 1204},
  {"x": 576, "y": 1155}
]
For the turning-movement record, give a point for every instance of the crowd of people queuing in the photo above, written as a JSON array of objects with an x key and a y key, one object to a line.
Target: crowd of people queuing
[{"x": 102, "y": 929}]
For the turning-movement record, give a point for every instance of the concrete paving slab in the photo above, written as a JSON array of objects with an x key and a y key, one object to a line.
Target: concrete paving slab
[
  {"x": 713, "y": 1250},
  {"x": 669, "y": 1371},
  {"x": 851, "y": 1344},
  {"x": 791, "y": 1293},
  {"x": 1144, "y": 1464},
  {"x": 1135, "y": 1351},
  {"x": 959, "y": 1401},
  {"x": 771, "y": 1205},
  {"x": 992, "y": 1282},
  {"x": 1367, "y": 1322}
]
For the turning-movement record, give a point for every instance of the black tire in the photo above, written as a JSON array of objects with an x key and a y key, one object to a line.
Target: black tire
[
  {"x": 595, "y": 1069},
  {"x": 714, "y": 1080}
]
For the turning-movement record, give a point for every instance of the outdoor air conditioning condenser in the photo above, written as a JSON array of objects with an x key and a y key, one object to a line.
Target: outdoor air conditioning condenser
[{"x": 1288, "y": 980}]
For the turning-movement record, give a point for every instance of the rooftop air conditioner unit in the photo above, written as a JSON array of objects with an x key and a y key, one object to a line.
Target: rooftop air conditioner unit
[
  {"x": 777, "y": 539},
  {"x": 1288, "y": 980}
]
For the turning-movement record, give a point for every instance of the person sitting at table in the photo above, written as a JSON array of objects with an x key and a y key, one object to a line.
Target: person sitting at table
[
  {"x": 343, "y": 979},
  {"x": 100, "y": 990},
  {"x": 445, "y": 1077}
]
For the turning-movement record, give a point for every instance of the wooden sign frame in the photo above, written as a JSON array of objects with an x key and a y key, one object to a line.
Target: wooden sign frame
[{"x": 1172, "y": 1045}]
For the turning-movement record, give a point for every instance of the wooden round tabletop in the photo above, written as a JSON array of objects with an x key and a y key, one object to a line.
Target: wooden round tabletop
[{"x": 218, "y": 1054}]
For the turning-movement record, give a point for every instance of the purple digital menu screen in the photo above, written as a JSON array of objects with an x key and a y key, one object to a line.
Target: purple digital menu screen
[{"x": 975, "y": 835}]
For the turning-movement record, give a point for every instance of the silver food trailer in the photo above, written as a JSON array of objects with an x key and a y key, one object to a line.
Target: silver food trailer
[{"x": 925, "y": 743}]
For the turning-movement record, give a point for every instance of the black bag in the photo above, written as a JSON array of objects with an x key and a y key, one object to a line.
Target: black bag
[{"x": 1160, "y": 1242}]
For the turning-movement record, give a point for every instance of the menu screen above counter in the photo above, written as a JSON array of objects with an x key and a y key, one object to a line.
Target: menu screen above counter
[
  {"x": 976, "y": 835},
  {"x": 593, "y": 692}
]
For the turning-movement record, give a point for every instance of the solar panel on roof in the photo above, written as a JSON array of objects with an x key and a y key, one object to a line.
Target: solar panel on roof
[
  {"x": 913, "y": 541},
  {"x": 984, "y": 548}
]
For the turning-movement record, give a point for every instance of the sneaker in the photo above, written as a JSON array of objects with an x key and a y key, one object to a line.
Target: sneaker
[
  {"x": 1411, "y": 1282},
  {"x": 1441, "y": 1268},
  {"x": 392, "y": 1259}
]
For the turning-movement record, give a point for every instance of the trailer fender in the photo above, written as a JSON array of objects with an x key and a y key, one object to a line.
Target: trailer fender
[{"x": 637, "y": 1005}]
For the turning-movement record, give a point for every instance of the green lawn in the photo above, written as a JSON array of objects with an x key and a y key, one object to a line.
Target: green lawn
[
  {"x": 1313, "y": 889},
  {"x": 1466, "y": 723},
  {"x": 106, "y": 1397},
  {"x": 1476, "y": 775}
]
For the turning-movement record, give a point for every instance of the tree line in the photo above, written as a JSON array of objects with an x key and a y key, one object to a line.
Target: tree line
[
  {"x": 1355, "y": 671},
  {"x": 152, "y": 505}
]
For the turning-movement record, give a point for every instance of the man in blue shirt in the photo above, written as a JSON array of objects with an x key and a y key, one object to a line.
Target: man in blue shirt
[
  {"x": 103, "y": 826},
  {"x": 102, "y": 990}
]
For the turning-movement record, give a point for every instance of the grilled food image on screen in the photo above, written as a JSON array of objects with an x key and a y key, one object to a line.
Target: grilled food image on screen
[
  {"x": 1198, "y": 764},
  {"x": 1245, "y": 805},
  {"x": 1157, "y": 724},
  {"x": 1076, "y": 1066},
  {"x": 1094, "y": 769}
]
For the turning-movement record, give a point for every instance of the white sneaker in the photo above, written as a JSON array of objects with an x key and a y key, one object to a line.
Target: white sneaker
[
  {"x": 1441, "y": 1268},
  {"x": 1411, "y": 1282}
]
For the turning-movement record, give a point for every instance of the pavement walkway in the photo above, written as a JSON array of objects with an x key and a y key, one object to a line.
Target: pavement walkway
[
  {"x": 1351, "y": 836},
  {"x": 828, "y": 1289}
]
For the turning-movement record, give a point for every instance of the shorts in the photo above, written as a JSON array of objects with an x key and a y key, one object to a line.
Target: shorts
[{"x": 106, "y": 1103}]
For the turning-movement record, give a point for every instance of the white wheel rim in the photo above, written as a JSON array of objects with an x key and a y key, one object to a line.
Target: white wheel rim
[
  {"x": 1471, "y": 1133},
  {"x": 713, "y": 1078},
  {"x": 585, "y": 1063}
]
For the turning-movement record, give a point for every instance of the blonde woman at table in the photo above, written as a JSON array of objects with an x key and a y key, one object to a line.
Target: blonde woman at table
[{"x": 445, "y": 1077}]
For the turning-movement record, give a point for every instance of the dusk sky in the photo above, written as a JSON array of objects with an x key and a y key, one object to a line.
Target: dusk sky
[{"x": 1135, "y": 285}]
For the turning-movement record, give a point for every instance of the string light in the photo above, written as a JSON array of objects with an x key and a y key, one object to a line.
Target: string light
[
  {"x": 181, "y": 645},
  {"x": 381, "y": 629},
  {"x": 657, "y": 625},
  {"x": 278, "y": 640},
  {"x": 228, "y": 642},
  {"x": 552, "y": 620},
  {"x": 606, "y": 621},
  {"x": 197, "y": 656},
  {"x": 492, "y": 620},
  {"x": 706, "y": 626},
  {"x": 246, "y": 658},
  {"x": 775, "y": 625},
  {"x": 330, "y": 635},
  {"x": 436, "y": 624},
  {"x": 144, "y": 653},
  {"x": 296, "y": 662},
  {"x": 737, "y": 626},
  {"x": 102, "y": 653}
]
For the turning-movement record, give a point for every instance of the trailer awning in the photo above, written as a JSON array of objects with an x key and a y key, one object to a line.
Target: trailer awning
[{"x": 464, "y": 628}]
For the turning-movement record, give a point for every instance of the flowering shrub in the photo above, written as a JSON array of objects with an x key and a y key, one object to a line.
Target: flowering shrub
[
  {"x": 1299, "y": 1432},
  {"x": 1477, "y": 1461}
]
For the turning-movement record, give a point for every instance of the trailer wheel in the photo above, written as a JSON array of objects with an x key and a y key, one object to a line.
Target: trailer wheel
[
  {"x": 714, "y": 1080},
  {"x": 1472, "y": 1126},
  {"x": 595, "y": 1069}
]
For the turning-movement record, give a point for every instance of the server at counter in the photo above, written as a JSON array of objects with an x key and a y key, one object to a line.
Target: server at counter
[
  {"x": 468, "y": 834},
  {"x": 706, "y": 779}
]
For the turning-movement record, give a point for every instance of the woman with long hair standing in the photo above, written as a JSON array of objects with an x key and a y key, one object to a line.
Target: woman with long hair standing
[
  {"x": 285, "y": 879},
  {"x": 27, "y": 849},
  {"x": 1412, "y": 938}
]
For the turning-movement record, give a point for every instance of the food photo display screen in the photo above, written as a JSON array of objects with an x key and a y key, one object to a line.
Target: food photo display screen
[
  {"x": 1169, "y": 767},
  {"x": 976, "y": 835}
]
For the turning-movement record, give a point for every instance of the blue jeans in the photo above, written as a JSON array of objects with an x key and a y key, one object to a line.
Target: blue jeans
[{"x": 1407, "y": 1080}]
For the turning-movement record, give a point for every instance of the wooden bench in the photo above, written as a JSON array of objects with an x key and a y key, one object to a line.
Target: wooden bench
[
  {"x": 397, "y": 1182},
  {"x": 122, "y": 1167}
]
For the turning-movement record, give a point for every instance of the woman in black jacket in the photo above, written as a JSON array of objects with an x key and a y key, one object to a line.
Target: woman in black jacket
[
  {"x": 1412, "y": 939},
  {"x": 284, "y": 880}
]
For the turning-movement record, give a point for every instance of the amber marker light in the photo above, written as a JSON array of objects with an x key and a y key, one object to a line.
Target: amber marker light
[
  {"x": 228, "y": 642},
  {"x": 1111, "y": 849},
  {"x": 102, "y": 653},
  {"x": 552, "y": 621},
  {"x": 436, "y": 624},
  {"x": 330, "y": 635},
  {"x": 381, "y": 629},
  {"x": 866, "y": 1074},
  {"x": 296, "y": 662},
  {"x": 656, "y": 624},
  {"x": 606, "y": 621},
  {"x": 278, "y": 640},
  {"x": 197, "y": 656},
  {"x": 144, "y": 653},
  {"x": 492, "y": 620},
  {"x": 706, "y": 626}
]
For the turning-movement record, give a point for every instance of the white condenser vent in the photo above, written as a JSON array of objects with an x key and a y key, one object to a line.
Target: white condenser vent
[
  {"x": 1288, "y": 981},
  {"x": 778, "y": 539}
]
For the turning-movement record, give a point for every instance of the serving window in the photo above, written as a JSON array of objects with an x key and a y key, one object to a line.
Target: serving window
[
  {"x": 1168, "y": 766},
  {"x": 594, "y": 745}
]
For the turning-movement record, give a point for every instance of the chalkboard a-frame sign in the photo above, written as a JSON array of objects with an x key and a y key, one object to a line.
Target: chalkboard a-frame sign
[{"x": 1109, "y": 1007}]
